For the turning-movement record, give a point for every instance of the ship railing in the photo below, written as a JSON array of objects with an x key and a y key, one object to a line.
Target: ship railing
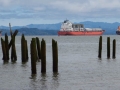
[
  {"x": 93, "y": 29},
  {"x": 97, "y": 29}
]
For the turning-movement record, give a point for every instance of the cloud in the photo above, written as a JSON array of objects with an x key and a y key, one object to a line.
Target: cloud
[
  {"x": 88, "y": 6},
  {"x": 59, "y": 9},
  {"x": 5, "y": 3}
]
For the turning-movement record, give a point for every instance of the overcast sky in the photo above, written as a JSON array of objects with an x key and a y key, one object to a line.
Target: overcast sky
[{"x": 23, "y": 12}]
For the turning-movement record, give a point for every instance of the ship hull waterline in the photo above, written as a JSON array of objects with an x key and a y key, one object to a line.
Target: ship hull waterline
[
  {"x": 118, "y": 32},
  {"x": 79, "y": 33}
]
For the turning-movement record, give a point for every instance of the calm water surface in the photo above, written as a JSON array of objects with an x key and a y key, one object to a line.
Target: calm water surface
[{"x": 79, "y": 66}]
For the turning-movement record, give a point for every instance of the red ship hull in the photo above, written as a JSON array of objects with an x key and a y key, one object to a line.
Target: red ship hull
[{"x": 79, "y": 33}]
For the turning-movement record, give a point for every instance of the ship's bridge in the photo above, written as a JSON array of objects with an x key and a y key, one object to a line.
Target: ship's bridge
[
  {"x": 66, "y": 26},
  {"x": 78, "y": 27}
]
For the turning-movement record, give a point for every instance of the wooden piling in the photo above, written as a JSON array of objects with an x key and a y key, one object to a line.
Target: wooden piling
[
  {"x": 23, "y": 48},
  {"x": 114, "y": 49},
  {"x": 26, "y": 51},
  {"x": 100, "y": 47},
  {"x": 55, "y": 55},
  {"x": 14, "y": 34},
  {"x": 33, "y": 56},
  {"x": 43, "y": 56},
  {"x": 4, "y": 50},
  {"x": 13, "y": 51},
  {"x": 10, "y": 30},
  {"x": 7, "y": 46},
  {"x": 38, "y": 48},
  {"x": 108, "y": 47}
]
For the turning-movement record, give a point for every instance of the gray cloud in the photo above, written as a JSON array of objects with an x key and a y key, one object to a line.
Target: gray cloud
[{"x": 59, "y": 9}]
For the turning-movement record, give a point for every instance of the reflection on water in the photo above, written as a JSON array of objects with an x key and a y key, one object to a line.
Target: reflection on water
[
  {"x": 44, "y": 82},
  {"x": 55, "y": 81},
  {"x": 79, "y": 66}
]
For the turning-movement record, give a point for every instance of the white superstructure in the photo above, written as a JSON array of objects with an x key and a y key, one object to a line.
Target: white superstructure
[{"x": 68, "y": 26}]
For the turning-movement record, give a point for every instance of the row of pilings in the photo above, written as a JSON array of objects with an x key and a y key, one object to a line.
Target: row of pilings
[
  {"x": 37, "y": 52},
  {"x": 6, "y": 45},
  {"x": 108, "y": 48}
]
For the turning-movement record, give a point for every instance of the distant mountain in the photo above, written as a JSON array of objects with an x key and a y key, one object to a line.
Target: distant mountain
[
  {"x": 36, "y": 31},
  {"x": 52, "y": 29},
  {"x": 4, "y": 27}
]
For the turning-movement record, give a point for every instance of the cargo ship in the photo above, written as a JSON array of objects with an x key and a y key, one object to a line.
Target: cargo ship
[
  {"x": 118, "y": 30},
  {"x": 68, "y": 28}
]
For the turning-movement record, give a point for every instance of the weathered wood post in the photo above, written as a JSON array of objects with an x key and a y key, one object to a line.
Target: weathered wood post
[
  {"x": 33, "y": 56},
  {"x": 10, "y": 30},
  {"x": 23, "y": 49},
  {"x": 100, "y": 47},
  {"x": 14, "y": 34},
  {"x": 55, "y": 55},
  {"x": 4, "y": 50},
  {"x": 38, "y": 48},
  {"x": 12, "y": 43},
  {"x": 7, "y": 46},
  {"x": 43, "y": 56},
  {"x": 114, "y": 49},
  {"x": 26, "y": 51},
  {"x": 13, "y": 50},
  {"x": 108, "y": 47}
]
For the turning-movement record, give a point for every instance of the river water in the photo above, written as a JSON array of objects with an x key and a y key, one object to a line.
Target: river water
[{"x": 79, "y": 67}]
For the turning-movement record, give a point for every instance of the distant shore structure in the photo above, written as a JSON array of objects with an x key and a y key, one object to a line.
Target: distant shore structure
[{"x": 68, "y": 28}]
